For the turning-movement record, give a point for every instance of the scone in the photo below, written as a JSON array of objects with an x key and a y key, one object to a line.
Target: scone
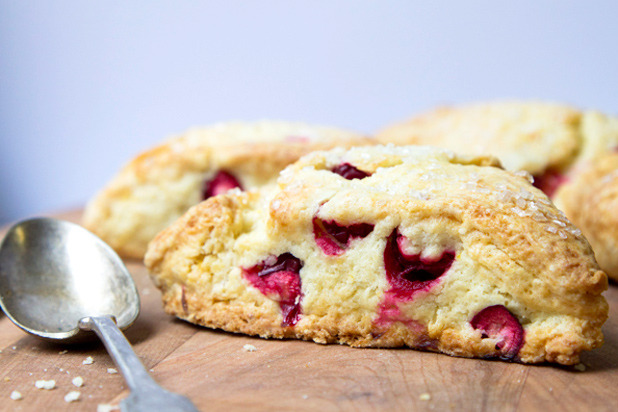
[
  {"x": 553, "y": 142},
  {"x": 590, "y": 200},
  {"x": 158, "y": 186},
  {"x": 388, "y": 246}
]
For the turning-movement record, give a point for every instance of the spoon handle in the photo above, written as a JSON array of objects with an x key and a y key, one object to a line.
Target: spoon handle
[{"x": 146, "y": 394}]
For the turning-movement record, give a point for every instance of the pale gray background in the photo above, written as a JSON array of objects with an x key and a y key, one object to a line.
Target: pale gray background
[{"x": 85, "y": 85}]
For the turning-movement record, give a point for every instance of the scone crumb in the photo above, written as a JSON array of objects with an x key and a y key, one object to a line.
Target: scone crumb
[
  {"x": 106, "y": 407},
  {"x": 7, "y": 379},
  {"x": 16, "y": 395},
  {"x": 72, "y": 396},
  {"x": 580, "y": 367},
  {"x": 112, "y": 371},
  {"x": 62, "y": 352},
  {"x": 88, "y": 361},
  {"x": 47, "y": 385},
  {"x": 78, "y": 381},
  {"x": 424, "y": 397},
  {"x": 249, "y": 348}
]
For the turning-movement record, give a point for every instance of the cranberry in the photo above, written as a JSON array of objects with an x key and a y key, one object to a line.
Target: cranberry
[
  {"x": 549, "y": 182},
  {"x": 406, "y": 275},
  {"x": 496, "y": 322},
  {"x": 278, "y": 278},
  {"x": 409, "y": 273},
  {"x": 220, "y": 183},
  {"x": 334, "y": 238},
  {"x": 349, "y": 172}
]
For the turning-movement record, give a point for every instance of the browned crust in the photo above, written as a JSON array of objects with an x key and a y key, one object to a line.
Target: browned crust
[
  {"x": 501, "y": 128},
  {"x": 590, "y": 200}
]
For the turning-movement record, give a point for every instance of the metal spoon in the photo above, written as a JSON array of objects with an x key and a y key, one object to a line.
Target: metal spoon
[{"x": 61, "y": 283}]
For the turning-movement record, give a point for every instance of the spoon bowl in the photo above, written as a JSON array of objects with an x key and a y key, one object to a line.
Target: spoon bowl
[{"x": 54, "y": 273}]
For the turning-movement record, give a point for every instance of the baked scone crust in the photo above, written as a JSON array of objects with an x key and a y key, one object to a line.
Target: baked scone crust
[
  {"x": 512, "y": 247},
  {"x": 159, "y": 185},
  {"x": 590, "y": 199},
  {"x": 530, "y": 136},
  {"x": 545, "y": 139}
]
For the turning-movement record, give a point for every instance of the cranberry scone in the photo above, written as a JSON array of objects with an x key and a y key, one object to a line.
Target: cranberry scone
[
  {"x": 388, "y": 246},
  {"x": 158, "y": 186},
  {"x": 553, "y": 142},
  {"x": 590, "y": 200}
]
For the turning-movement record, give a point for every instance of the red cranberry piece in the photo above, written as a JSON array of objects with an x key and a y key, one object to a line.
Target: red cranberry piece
[
  {"x": 497, "y": 322},
  {"x": 279, "y": 279},
  {"x": 220, "y": 183},
  {"x": 349, "y": 172},
  {"x": 409, "y": 273},
  {"x": 549, "y": 182},
  {"x": 333, "y": 238}
]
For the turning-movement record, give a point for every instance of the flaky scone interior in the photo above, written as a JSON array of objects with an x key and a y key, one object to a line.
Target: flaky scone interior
[
  {"x": 159, "y": 185},
  {"x": 389, "y": 246}
]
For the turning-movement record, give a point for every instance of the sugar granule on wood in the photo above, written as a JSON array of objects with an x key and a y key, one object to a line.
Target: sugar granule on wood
[
  {"x": 47, "y": 385},
  {"x": 112, "y": 371},
  {"x": 424, "y": 397},
  {"x": 78, "y": 381},
  {"x": 249, "y": 348},
  {"x": 88, "y": 361},
  {"x": 72, "y": 396},
  {"x": 105, "y": 407},
  {"x": 16, "y": 395}
]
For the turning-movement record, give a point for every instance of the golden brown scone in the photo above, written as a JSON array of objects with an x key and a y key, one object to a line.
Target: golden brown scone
[
  {"x": 389, "y": 246},
  {"x": 158, "y": 186},
  {"x": 551, "y": 141},
  {"x": 590, "y": 199},
  {"x": 530, "y": 136}
]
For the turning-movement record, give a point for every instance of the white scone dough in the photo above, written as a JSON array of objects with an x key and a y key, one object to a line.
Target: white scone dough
[
  {"x": 553, "y": 142},
  {"x": 158, "y": 186},
  {"x": 410, "y": 246}
]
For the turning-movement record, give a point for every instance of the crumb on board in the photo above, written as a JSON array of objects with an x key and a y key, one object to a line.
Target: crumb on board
[
  {"x": 78, "y": 381},
  {"x": 580, "y": 367},
  {"x": 249, "y": 348},
  {"x": 72, "y": 396},
  {"x": 47, "y": 385},
  {"x": 106, "y": 407},
  {"x": 112, "y": 371},
  {"x": 62, "y": 352},
  {"x": 88, "y": 361},
  {"x": 16, "y": 395},
  {"x": 424, "y": 397},
  {"x": 7, "y": 379}
]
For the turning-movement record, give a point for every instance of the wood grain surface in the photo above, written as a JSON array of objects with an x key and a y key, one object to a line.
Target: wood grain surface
[{"x": 215, "y": 370}]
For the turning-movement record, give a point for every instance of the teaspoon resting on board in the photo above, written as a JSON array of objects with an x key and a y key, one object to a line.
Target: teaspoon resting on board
[{"x": 61, "y": 283}]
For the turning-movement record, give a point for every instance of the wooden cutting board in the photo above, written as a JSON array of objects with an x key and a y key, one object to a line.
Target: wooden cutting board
[{"x": 218, "y": 374}]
